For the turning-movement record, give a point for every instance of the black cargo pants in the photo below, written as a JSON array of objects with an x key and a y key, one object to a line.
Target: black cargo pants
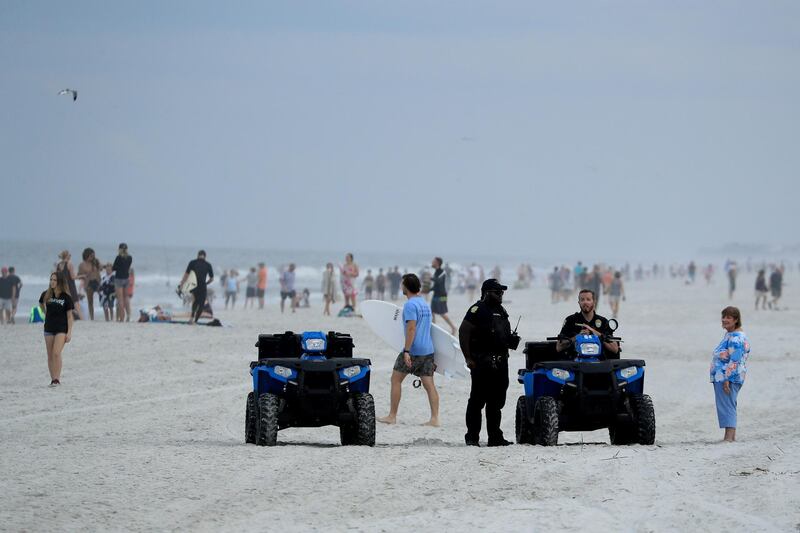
[{"x": 489, "y": 386}]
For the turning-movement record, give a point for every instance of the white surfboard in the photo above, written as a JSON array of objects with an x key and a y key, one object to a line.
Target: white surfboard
[
  {"x": 386, "y": 321},
  {"x": 189, "y": 285}
]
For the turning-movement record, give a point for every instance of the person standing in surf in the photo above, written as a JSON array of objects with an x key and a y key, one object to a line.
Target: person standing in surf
[
  {"x": 204, "y": 275},
  {"x": 728, "y": 370},
  {"x": 57, "y": 305},
  {"x": 417, "y": 355},
  {"x": 122, "y": 271}
]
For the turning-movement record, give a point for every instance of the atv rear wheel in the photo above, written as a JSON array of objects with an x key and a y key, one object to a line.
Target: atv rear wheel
[
  {"x": 250, "y": 420},
  {"x": 642, "y": 407},
  {"x": 269, "y": 406},
  {"x": 524, "y": 429},
  {"x": 362, "y": 430},
  {"x": 545, "y": 421}
]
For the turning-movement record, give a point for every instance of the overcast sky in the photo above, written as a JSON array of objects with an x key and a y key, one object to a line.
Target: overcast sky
[{"x": 384, "y": 125}]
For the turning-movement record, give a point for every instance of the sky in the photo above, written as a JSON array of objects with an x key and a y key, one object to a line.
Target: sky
[{"x": 650, "y": 129}]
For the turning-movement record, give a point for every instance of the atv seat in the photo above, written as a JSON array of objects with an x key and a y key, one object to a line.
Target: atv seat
[{"x": 285, "y": 345}]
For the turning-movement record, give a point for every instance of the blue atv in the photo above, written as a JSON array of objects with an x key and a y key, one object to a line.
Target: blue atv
[
  {"x": 581, "y": 390},
  {"x": 309, "y": 380}
]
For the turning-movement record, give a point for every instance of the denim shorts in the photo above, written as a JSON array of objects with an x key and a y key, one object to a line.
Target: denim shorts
[{"x": 121, "y": 283}]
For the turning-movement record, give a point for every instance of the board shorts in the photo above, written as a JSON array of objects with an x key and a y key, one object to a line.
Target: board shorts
[
  {"x": 421, "y": 365},
  {"x": 287, "y": 294},
  {"x": 260, "y": 292},
  {"x": 121, "y": 283},
  {"x": 5, "y": 304},
  {"x": 776, "y": 293},
  {"x": 251, "y": 292},
  {"x": 439, "y": 305}
]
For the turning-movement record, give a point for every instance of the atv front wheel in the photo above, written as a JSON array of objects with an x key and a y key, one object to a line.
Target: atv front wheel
[
  {"x": 250, "y": 420},
  {"x": 545, "y": 421},
  {"x": 642, "y": 407},
  {"x": 362, "y": 430},
  {"x": 269, "y": 406},
  {"x": 523, "y": 427}
]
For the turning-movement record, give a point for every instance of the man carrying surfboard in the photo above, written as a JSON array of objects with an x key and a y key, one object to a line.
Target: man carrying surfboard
[
  {"x": 204, "y": 275},
  {"x": 417, "y": 355}
]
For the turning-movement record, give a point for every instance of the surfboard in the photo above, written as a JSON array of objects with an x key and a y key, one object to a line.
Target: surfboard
[
  {"x": 386, "y": 321},
  {"x": 189, "y": 284}
]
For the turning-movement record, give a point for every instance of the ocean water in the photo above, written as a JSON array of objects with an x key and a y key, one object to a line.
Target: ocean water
[{"x": 158, "y": 269}]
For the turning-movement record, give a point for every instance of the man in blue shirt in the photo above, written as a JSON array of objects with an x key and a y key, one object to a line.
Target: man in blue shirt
[{"x": 417, "y": 355}]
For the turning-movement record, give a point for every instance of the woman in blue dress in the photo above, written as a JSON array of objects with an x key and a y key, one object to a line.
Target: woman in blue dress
[{"x": 728, "y": 370}]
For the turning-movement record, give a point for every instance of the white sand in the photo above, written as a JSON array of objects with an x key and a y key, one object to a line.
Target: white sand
[{"x": 147, "y": 433}]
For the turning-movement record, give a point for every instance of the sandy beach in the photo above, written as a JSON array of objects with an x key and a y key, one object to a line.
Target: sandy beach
[{"x": 146, "y": 433}]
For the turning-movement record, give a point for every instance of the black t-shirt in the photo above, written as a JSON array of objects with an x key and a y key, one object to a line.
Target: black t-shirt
[
  {"x": 15, "y": 282},
  {"x": 122, "y": 267},
  {"x": 56, "y": 309},
  {"x": 439, "y": 283},
  {"x": 571, "y": 327},
  {"x": 492, "y": 329},
  {"x": 5, "y": 288},
  {"x": 202, "y": 269}
]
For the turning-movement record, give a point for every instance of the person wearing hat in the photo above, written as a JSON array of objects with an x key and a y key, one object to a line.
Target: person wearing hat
[
  {"x": 587, "y": 322},
  {"x": 485, "y": 337},
  {"x": 122, "y": 273}
]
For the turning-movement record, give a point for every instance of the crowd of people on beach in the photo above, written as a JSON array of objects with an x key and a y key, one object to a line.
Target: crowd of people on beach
[{"x": 427, "y": 298}]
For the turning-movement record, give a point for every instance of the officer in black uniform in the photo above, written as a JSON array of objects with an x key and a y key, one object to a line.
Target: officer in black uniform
[
  {"x": 586, "y": 321},
  {"x": 485, "y": 337}
]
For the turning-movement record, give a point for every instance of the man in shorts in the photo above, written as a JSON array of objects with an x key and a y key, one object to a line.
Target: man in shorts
[
  {"x": 6, "y": 295},
  {"x": 287, "y": 287},
  {"x": 16, "y": 284},
  {"x": 439, "y": 299},
  {"x": 417, "y": 355}
]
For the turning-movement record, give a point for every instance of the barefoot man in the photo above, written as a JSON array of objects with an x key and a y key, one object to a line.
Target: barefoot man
[{"x": 417, "y": 355}]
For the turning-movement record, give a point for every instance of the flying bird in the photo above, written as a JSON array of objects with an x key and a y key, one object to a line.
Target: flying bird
[{"x": 73, "y": 92}]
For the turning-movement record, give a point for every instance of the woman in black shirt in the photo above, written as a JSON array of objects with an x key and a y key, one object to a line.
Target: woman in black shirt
[
  {"x": 122, "y": 270},
  {"x": 57, "y": 304}
]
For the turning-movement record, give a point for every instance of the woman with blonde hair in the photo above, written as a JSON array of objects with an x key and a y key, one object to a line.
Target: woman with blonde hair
[
  {"x": 65, "y": 268},
  {"x": 57, "y": 304},
  {"x": 728, "y": 370}
]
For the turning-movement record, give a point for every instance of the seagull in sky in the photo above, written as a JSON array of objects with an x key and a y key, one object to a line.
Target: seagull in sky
[{"x": 73, "y": 92}]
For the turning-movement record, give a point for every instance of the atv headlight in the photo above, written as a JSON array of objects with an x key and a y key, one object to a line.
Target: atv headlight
[
  {"x": 628, "y": 372},
  {"x": 315, "y": 345},
  {"x": 590, "y": 348},
  {"x": 560, "y": 373},
  {"x": 351, "y": 371},
  {"x": 282, "y": 371}
]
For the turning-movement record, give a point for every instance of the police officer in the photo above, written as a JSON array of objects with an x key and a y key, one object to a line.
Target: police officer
[
  {"x": 485, "y": 337},
  {"x": 586, "y": 321}
]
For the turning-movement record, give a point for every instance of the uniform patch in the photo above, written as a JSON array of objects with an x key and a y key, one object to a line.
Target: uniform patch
[
  {"x": 598, "y": 323},
  {"x": 473, "y": 309}
]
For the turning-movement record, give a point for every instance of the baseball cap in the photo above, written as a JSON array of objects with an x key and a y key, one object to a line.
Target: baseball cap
[
  {"x": 492, "y": 284},
  {"x": 123, "y": 246}
]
